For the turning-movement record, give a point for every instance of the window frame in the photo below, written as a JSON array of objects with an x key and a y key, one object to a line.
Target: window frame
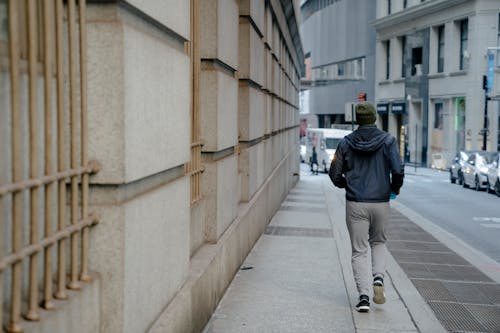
[
  {"x": 464, "y": 43},
  {"x": 438, "y": 115},
  {"x": 440, "y": 48},
  {"x": 498, "y": 41},
  {"x": 387, "y": 44},
  {"x": 403, "y": 56}
]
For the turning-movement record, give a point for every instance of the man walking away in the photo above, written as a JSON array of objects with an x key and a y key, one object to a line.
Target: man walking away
[
  {"x": 314, "y": 161},
  {"x": 368, "y": 165}
]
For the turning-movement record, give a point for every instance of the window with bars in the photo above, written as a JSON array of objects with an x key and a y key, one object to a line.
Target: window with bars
[
  {"x": 464, "y": 44},
  {"x": 43, "y": 198},
  {"x": 194, "y": 167},
  {"x": 440, "y": 53}
]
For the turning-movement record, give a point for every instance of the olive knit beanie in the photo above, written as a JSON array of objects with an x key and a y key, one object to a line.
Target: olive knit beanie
[{"x": 365, "y": 114}]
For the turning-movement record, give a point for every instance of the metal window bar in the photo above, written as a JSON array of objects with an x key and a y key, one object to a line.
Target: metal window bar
[
  {"x": 35, "y": 30},
  {"x": 194, "y": 167}
]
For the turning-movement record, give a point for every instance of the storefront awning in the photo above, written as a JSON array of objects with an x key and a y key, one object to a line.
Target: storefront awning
[
  {"x": 383, "y": 108},
  {"x": 398, "y": 108}
]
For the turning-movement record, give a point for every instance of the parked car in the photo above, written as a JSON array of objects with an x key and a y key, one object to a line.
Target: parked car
[
  {"x": 456, "y": 166},
  {"x": 494, "y": 175},
  {"x": 475, "y": 171}
]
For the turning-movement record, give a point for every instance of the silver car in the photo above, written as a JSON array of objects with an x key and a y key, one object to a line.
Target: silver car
[
  {"x": 457, "y": 164},
  {"x": 494, "y": 175},
  {"x": 475, "y": 171}
]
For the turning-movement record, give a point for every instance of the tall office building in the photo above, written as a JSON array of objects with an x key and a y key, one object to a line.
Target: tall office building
[{"x": 339, "y": 47}]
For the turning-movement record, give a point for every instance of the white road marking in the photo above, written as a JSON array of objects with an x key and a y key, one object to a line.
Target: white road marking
[
  {"x": 487, "y": 219},
  {"x": 491, "y": 225},
  {"x": 494, "y": 225}
]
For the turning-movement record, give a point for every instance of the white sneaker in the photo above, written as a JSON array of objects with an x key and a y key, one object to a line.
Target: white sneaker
[{"x": 378, "y": 290}]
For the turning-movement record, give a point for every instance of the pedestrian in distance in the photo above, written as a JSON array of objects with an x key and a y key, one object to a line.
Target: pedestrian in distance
[
  {"x": 314, "y": 161},
  {"x": 368, "y": 165}
]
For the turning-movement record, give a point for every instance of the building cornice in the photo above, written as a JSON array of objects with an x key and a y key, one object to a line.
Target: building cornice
[{"x": 412, "y": 13}]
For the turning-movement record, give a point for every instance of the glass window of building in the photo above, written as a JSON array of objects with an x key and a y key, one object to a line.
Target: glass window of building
[
  {"x": 498, "y": 44},
  {"x": 340, "y": 69},
  {"x": 387, "y": 59},
  {"x": 416, "y": 61},
  {"x": 438, "y": 116},
  {"x": 405, "y": 3},
  {"x": 440, "y": 55},
  {"x": 464, "y": 41},
  {"x": 389, "y": 9},
  {"x": 345, "y": 70},
  {"x": 403, "y": 56}
]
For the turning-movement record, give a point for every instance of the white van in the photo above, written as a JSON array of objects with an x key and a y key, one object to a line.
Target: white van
[{"x": 326, "y": 141}]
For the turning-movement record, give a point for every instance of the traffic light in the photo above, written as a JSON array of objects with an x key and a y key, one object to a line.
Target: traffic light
[{"x": 485, "y": 82}]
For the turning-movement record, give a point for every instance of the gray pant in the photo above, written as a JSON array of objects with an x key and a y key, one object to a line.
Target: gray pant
[{"x": 366, "y": 224}]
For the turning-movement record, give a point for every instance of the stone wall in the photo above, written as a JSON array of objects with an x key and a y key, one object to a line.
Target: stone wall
[{"x": 161, "y": 262}]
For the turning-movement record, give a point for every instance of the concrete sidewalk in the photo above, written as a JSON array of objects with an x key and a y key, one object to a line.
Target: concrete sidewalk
[{"x": 298, "y": 276}]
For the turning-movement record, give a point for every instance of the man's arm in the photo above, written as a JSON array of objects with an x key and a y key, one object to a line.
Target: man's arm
[
  {"x": 397, "y": 167},
  {"x": 336, "y": 169}
]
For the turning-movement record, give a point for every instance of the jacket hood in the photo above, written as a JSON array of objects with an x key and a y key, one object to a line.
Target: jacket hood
[{"x": 366, "y": 139}]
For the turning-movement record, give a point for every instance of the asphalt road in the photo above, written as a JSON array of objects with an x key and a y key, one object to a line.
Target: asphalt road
[{"x": 472, "y": 216}]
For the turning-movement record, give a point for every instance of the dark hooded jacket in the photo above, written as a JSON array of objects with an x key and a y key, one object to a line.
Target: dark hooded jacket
[{"x": 368, "y": 165}]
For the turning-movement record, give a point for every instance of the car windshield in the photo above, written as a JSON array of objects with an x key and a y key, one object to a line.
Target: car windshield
[
  {"x": 332, "y": 143},
  {"x": 484, "y": 159}
]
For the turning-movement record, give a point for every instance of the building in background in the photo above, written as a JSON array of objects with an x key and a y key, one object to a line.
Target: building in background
[
  {"x": 339, "y": 43},
  {"x": 144, "y": 147},
  {"x": 431, "y": 59}
]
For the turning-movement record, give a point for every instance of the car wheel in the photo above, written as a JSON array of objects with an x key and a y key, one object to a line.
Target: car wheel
[
  {"x": 477, "y": 186},
  {"x": 453, "y": 180},
  {"x": 464, "y": 184},
  {"x": 488, "y": 186},
  {"x": 497, "y": 187},
  {"x": 460, "y": 178}
]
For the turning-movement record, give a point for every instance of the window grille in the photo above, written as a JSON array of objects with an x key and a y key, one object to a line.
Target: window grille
[
  {"x": 34, "y": 156},
  {"x": 194, "y": 167}
]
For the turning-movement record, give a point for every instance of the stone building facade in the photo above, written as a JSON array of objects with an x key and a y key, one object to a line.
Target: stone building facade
[{"x": 192, "y": 123}]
